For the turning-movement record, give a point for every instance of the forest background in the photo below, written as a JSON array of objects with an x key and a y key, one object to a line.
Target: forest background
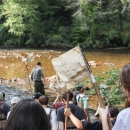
[{"x": 47, "y": 23}]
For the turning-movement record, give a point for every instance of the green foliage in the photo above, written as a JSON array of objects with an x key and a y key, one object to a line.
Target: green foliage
[
  {"x": 125, "y": 37},
  {"x": 44, "y": 23},
  {"x": 108, "y": 84}
]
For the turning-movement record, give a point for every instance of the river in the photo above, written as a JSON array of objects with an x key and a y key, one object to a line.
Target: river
[{"x": 14, "y": 73}]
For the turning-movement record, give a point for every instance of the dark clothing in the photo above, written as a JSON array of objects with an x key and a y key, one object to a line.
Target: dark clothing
[
  {"x": 113, "y": 122},
  {"x": 4, "y": 108},
  {"x": 36, "y": 75},
  {"x": 39, "y": 87},
  {"x": 75, "y": 94},
  {"x": 78, "y": 112},
  {"x": 97, "y": 125}
]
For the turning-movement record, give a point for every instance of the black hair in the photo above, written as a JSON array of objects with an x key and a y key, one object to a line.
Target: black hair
[
  {"x": 43, "y": 100},
  {"x": 81, "y": 88},
  {"x": 113, "y": 111},
  {"x": 3, "y": 94},
  {"x": 28, "y": 115},
  {"x": 64, "y": 96},
  {"x": 38, "y": 63}
]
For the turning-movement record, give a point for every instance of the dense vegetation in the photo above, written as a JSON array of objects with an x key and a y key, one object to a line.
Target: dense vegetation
[
  {"x": 42, "y": 23},
  {"x": 110, "y": 89}
]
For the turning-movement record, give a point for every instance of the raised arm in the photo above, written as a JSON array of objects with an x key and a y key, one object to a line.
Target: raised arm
[{"x": 103, "y": 116}]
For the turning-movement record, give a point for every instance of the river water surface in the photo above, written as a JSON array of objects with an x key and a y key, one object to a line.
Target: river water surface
[{"x": 14, "y": 73}]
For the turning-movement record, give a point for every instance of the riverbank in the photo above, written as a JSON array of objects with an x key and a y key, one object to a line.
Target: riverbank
[{"x": 63, "y": 47}]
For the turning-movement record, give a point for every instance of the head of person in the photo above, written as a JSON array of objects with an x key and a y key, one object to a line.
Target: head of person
[
  {"x": 43, "y": 100},
  {"x": 28, "y": 115},
  {"x": 2, "y": 96},
  {"x": 64, "y": 96},
  {"x": 125, "y": 82},
  {"x": 14, "y": 100},
  {"x": 113, "y": 112},
  {"x": 36, "y": 96},
  {"x": 39, "y": 63},
  {"x": 82, "y": 88}
]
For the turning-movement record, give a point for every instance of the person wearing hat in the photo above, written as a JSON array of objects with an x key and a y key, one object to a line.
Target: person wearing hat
[
  {"x": 36, "y": 96},
  {"x": 14, "y": 101},
  {"x": 37, "y": 77}
]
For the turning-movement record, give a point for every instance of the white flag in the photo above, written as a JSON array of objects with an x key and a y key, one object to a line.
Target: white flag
[
  {"x": 29, "y": 57},
  {"x": 70, "y": 68}
]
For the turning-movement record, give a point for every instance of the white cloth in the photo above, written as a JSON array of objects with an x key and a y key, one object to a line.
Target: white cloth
[
  {"x": 123, "y": 120},
  {"x": 53, "y": 120},
  {"x": 70, "y": 68}
]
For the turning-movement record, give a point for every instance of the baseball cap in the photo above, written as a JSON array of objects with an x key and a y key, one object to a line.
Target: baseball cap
[
  {"x": 2, "y": 95},
  {"x": 37, "y": 95},
  {"x": 15, "y": 100}
]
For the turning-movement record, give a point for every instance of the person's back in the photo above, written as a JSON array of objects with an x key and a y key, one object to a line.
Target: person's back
[
  {"x": 82, "y": 100},
  {"x": 37, "y": 77},
  {"x": 123, "y": 120},
  {"x": 51, "y": 114},
  {"x": 77, "y": 111},
  {"x": 52, "y": 117}
]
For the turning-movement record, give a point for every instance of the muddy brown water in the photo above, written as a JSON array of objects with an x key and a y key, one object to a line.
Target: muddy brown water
[{"x": 11, "y": 66}]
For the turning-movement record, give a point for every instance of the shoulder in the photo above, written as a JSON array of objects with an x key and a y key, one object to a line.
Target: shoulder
[
  {"x": 6, "y": 105},
  {"x": 123, "y": 119},
  {"x": 61, "y": 109},
  {"x": 124, "y": 113}
]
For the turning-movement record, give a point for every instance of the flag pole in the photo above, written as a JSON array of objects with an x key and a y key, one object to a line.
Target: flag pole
[
  {"x": 67, "y": 106},
  {"x": 28, "y": 77},
  {"x": 102, "y": 105}
]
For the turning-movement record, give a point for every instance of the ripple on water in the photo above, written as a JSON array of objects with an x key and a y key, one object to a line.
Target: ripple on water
[{"x": 10, "y": 92}]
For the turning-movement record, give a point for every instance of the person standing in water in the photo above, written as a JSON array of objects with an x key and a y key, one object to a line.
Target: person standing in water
[{"x": 38, "y": 78}]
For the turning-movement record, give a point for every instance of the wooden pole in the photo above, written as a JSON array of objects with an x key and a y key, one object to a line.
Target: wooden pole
[
  {"x": 28, "y": 78},
  {"x": 102, "y": 105},
  {"x": 67, "y": 106}
]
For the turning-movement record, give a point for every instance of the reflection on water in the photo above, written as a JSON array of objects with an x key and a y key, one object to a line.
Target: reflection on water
[{"x": 12, "y": 67}]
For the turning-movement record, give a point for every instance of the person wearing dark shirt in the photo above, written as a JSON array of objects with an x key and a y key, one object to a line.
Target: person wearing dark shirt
[
  {"x": 83, "y": 124},
  {"x": 4, "y": 109},
  {"x": 77, "y": 111}
]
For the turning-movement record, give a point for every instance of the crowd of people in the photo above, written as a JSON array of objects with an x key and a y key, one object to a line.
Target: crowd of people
[{"x": 34, "y": 113}]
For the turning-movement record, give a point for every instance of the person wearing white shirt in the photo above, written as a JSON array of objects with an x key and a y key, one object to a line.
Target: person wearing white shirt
[{"x": 51, "y": 114}]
